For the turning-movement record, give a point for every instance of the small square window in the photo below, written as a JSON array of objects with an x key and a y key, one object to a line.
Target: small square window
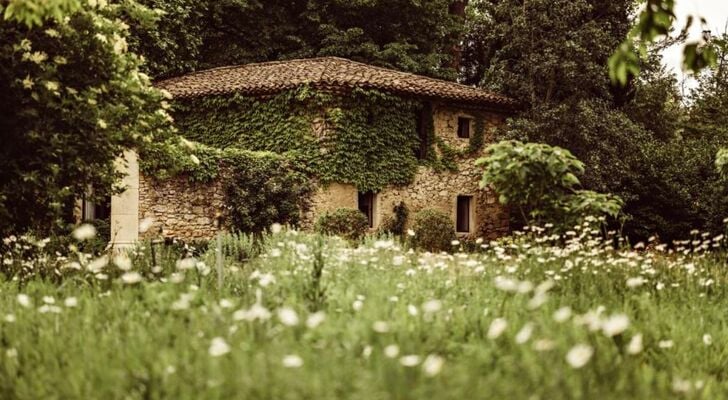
[
  {"x": 464, "y": 208},
  {"x": 464, "y": 127}
]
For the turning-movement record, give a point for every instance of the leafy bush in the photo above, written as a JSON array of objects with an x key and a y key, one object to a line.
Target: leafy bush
[
  {"x": 72, "y": 98},
  {"x": 263, "y": 188},
  {"x": 573, "y": 209},
  {"x": 540, "y": 180},
  {"x": 434, "y": 230},
  {"x": 722, "y": 163},
  {"x": 395, "y": 224},
  {"x": 348, "y": 223}
]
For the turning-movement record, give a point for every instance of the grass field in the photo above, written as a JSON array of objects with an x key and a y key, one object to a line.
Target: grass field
[{"x": 536, "y": 317}]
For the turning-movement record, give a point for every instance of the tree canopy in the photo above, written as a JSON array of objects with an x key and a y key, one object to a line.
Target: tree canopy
[{"x": 72, "y": 98}]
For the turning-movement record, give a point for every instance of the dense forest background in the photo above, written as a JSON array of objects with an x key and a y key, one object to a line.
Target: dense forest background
[{"x": 647, "y": 141}]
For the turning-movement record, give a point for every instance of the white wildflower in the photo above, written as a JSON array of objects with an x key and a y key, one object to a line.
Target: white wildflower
[
  {"x": 49, "y": 300},
  {"x": 431, "y": 306},
  {"x": 665, "y": 344},
  {"x": 84, "y": 232},
  {"x": 707, "y": 339},
  {"x": 412, "y": 310},
  {"x": 615, "y": 325},
  {"x": 391, "y": 351},
  {"x": 131, "y": 277},
  {"x": 635, "y": 344},
  {"x": 411, "y": 360},
  {"x": 579, "y": 355},
  {"x": 123, "y": 262},
  {"x": 562, "y": 314},
  {"x": 315, "y": 319},
  {"x": 288, "y": 316},
  {"x": 218, "y": 347},
  {"x": 292, "y": 361},
  {"x": 70, "y": 302},
  {"x": 525, "y": 333},
  {"x": 97, "y": 264},
  {"x": 24, "y": 300},
  {"x": 497, "y": 327},
  {"x": 380, "y": 327},
  {"x": 367, "y": 352},
  {"x": 635, "y": 282},
  {"x": 432, "y": 365},
  {"x": 47, "y": 308},
  {"x": 187, "y": 263}
]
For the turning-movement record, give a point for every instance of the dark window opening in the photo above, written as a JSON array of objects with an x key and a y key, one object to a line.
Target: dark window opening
[
  {"x": 464, "y": 127},
  {"x": 366, "y": 206},
  {"x": 463, "y": 213},
  {"x": 95, "y": 210},
  {"x": 421, "y": 122}
]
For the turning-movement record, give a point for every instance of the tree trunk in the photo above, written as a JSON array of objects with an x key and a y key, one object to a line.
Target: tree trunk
[{"x": 457, "y": 8}]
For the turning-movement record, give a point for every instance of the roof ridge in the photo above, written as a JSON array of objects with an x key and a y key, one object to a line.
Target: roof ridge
[
  {"x": 255, "y": 64},
  {"x": 271, "y": 76},
  {"x": 417, "y": 75}
]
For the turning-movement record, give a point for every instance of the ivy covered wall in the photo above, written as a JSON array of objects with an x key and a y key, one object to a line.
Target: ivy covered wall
[{"x": 365, "y": 138}]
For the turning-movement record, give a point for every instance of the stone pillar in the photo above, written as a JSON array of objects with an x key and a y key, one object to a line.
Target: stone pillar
[{"x": 125, "y": 206}]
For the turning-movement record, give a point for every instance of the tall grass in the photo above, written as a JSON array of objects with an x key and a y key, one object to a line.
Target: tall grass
[{"x": 536, "y": 316}]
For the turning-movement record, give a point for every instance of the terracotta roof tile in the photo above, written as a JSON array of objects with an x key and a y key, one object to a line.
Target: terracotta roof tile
[{"x": 330, "y": 72}]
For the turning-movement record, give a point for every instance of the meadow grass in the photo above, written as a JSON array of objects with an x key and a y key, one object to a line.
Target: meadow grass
[{"x": 311, "y": 317}]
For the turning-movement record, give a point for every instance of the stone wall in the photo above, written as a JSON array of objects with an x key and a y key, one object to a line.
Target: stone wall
[
  {"x": 185, "y": 210},
  {"x": 179, "y": 208},
  {"x": 431, "y": 189}
]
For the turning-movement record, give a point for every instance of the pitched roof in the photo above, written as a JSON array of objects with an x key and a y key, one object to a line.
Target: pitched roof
[{"x": 324, "y": 72}]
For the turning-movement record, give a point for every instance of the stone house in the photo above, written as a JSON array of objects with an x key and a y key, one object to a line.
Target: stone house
[{"x": 186, "y": 210}]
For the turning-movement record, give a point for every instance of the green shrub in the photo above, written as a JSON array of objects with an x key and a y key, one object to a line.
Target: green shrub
[
  {"x": 395, "y": 224},
  {"x": 540, "y": 181},
  {"x": 434, "y": 230},
  {"x": 263, "y": 188},
  {"x": 348, "y": 223}
]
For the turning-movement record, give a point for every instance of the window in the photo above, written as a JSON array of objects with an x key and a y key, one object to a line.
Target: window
[
  {"x": 464, "y": 127},
  {"x": 91, "y": 210},
  {"x": 366, "y": 206},
  {"x": 421, "y": 121},
  {"x": 464, "y": 208}
]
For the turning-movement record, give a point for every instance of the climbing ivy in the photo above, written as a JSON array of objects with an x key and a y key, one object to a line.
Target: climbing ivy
[{"x": 366, "y": 138}]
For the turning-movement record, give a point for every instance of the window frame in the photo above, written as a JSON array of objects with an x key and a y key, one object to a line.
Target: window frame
[
  {"x": 468, "y": 123},
  {"x": 470, "y": 221},
  {"x": 371, "y": 216}
]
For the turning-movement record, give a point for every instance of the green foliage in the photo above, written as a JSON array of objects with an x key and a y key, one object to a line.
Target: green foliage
[
  {"x": 721, "y": 163},
  {"x": 529, "y": 175},
  {"x": 395, "y": 224},
  {"x": 366, "y": 138},
  {"x": 544, "y": 51},
  {"x": 434, "y": 231},
  {"x": 71, "y": 100},
  {"x": 656, "y": 20},
  {"x": 541, "y": 180},
  {"x": 263, "y": 189},
  {"x": 152, "y": 339},
  {"x": 173, "y": 40},
  {"x": 412, "y": 36},
  {"x": 573, "y": 209},
  {"x": 348, "y": 223}
]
